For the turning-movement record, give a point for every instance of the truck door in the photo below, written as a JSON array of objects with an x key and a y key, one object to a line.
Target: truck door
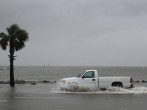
[{"x": 88, "y": 80}]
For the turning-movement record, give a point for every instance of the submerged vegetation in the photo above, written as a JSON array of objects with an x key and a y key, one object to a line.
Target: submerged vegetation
[{"x": 29, "y": 82}]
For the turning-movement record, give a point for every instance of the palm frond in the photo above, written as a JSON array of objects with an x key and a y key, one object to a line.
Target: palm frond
[
  {"x": 18, "y": 45},
  {"x": 2, "y": 34},
  {"x": 12, "y": 29},
  {"x": 4, "y": 40},
  {"x": 21, "y": 35}
]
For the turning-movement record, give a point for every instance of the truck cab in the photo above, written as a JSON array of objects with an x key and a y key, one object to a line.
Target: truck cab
[{"x": 88, "y": 79}]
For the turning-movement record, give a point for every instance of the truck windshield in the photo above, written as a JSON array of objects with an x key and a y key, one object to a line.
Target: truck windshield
[{"x": 79, "y": 75}]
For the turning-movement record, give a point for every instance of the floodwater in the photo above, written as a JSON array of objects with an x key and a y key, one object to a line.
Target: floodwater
[{"x": 49, "y": 97}]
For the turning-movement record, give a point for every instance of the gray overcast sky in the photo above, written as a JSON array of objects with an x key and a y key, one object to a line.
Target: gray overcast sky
[{"x": 78, "y": 32}]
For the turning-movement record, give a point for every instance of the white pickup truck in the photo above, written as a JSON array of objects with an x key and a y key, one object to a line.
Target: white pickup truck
[{"x": 90, "y": 80}]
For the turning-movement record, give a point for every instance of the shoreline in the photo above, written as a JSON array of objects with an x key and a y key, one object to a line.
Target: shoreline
[{"x": 29, "y": 82}]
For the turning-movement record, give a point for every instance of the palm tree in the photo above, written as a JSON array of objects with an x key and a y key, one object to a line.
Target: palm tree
[{"x": 15, "y": 38}]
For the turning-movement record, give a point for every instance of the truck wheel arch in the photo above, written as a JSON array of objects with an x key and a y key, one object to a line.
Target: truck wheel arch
[{"x": 117, "y": 84}]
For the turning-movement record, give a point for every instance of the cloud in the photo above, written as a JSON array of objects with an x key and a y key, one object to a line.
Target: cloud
[{"x": 79, "y": 32}]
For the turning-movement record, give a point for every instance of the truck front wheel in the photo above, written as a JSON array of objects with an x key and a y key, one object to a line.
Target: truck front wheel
[{"x": 117, "y": 84}]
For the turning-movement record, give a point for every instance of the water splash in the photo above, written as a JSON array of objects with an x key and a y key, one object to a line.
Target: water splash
[
  {"x": 110, "y": 90},
  {"x": 139, "y": 90},
  {"x": 117, "y": 90}
]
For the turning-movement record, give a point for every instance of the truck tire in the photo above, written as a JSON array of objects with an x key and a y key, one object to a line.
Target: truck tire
[{"x": 117, "y": 84}]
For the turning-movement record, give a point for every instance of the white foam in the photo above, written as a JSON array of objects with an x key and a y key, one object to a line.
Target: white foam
[
  {"x": 135, "y": 90},
  {"x": 111, "y": 90},
  {"x": 138, "y": 90}
]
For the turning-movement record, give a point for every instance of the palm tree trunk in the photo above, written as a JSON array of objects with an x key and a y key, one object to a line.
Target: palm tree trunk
[{"x": 12, "y": 83}]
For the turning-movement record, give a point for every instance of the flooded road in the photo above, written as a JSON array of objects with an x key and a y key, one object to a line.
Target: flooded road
[{"x": 48, "y": 97}]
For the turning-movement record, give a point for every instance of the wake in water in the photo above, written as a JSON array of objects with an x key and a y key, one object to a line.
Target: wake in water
[
  {"x": 111, "y": 90},
  {"x": 117, "y": 90}
]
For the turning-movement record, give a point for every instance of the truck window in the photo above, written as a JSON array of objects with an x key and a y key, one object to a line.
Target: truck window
[
  {"x": 89, "y": 74},
  {"x": 79, "y": 75}
]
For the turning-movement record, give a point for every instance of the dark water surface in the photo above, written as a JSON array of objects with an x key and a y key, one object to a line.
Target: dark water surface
[{"x": 49, "y": 97}]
